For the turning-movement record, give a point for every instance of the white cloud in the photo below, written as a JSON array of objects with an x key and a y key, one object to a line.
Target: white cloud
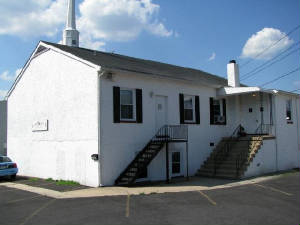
[
  {"x": 29, "y": 18},
  {"x": 262, "y": 40},
  {"x": 2, "y": 94},
  {"x": 212, "y": 57},
  {"x": 9, "y": 77},
  {"x": 98, "y": 20},
  {"x": 119, "y": 20}
]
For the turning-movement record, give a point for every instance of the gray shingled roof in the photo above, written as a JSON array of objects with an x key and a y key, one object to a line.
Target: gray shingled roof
[{"x": 148, "y": 67}]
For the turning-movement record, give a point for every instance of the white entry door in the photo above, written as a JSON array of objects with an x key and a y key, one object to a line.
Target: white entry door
[{"x": 161, "y": 112}]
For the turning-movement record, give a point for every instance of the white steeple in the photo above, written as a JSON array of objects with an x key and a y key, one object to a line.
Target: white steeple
[{"x": 71, "y": 35}]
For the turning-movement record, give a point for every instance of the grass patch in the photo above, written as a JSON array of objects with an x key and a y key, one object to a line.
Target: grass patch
[
  {"x": 142, "y": 193},
  {"x": 66, "y": 182},
  {"x": 34, "y": 179},
  {"x": 63, "y": 182}
]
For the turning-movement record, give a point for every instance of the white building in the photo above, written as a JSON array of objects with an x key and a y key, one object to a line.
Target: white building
[
  {"x": 102, "y": 119},
  {"x": 3, "y": 127},
  {"x": 69, "y": 103}
]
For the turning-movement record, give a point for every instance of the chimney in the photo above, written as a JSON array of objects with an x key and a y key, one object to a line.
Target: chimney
[
  {"x": 71, "y": 35},
  {"x": 233, "y": 74}
]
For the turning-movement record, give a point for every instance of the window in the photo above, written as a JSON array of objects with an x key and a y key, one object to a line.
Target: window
[
  {"x": 73, "y": 42},
  {"x": 175, "y": 162},
  {"x": 127, "y": 104},
  {"x": 218, "y": 111},
  {"x": 289, "y": 110},
  {"x": 189, "y": 108}
]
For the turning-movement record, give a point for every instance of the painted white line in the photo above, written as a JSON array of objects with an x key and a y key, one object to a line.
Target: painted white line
[
  {"x": 273, "y": 189},
  {"x": 208, "y": 198},
  {"x": 37, "y": 211},
  {"x": 24, "y": 199},
  {"x": 127, "y": 206}
]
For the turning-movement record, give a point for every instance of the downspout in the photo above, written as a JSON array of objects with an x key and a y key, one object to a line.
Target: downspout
[
  {"x": 99, "y": 73},
  {"x": 297, "y": 104}
]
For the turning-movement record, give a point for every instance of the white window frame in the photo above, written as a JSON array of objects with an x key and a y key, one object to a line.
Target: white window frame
[
  {"x": 133, "y": 104},
  {"x": 193, "y": 108},
  {"x": 291, "y": 109},
  {"x": 221, "y": 108}
]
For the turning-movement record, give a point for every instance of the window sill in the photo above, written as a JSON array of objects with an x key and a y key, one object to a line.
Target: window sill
[
  {"x": 128, "y": 121},
  {"x": 289, "y": 122},
  {"x": 222, "y": 124},
  {"x": 191, "y": 123}
]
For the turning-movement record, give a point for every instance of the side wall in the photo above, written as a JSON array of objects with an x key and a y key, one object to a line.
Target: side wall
[
  {"x": 121, "y": 141},
  {"x": 287, "y": 135},
  {"x": 63, "y": 91},
  {"x": 264, "y": 160},
  {"x": 3, "y": 127}
]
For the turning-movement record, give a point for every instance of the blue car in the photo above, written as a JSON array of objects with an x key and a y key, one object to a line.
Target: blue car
[{"x": 7, "y": 167}]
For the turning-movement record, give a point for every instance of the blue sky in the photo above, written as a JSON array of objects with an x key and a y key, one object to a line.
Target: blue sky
[{"x": 202, "y": 34}]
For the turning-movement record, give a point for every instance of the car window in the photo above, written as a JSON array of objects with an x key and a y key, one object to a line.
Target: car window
[{"x": 4, "y": 159}]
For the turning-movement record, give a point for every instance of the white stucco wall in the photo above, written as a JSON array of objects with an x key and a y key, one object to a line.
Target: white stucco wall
[
  {"x": 264, "y": 160},
  {"x": 251, "y": 120},
  {"x": 64, "y": 92},
  {"x": 287, "y": 135},
  {"x": 120, "y": 141},
  {"x": 3, "y": 127}
]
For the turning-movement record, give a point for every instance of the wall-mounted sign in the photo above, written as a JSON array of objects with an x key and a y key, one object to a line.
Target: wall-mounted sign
[{"x": 40, "y": 125}]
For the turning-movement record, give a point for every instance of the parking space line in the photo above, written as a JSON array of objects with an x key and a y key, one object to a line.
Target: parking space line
[
  {"x": 127, "y": 205},
  {"x": 37, "y": 211},
  {"x": 273, "y": 189},
  {"x": 208, "y": 198},
  {"x": 23, "y": 199}
]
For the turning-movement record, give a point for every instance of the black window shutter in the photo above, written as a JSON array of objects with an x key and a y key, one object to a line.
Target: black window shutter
[
  {"x": 211, "y": 106},
  {"x": 116, "y": 104},
  {"x": 197, "y": 109},
  {"x": 181, "y": 108},
  {"x": 139, "y": 105},
  {"x": 224, "y": 109}
]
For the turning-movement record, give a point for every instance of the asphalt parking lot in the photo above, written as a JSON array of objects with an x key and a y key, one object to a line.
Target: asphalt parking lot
[{"x": 270, "y": 202}]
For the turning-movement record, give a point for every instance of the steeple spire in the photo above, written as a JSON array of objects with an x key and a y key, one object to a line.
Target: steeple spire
[{"x": 71, "y": 35}]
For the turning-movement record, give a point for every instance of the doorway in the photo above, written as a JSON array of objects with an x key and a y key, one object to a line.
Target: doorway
[{"x": 161, "y": 111}]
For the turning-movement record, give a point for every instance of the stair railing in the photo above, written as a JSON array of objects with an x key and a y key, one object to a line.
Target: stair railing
[
  {"x": 171, "y": 133},
  {"x": 223, "y": 152},
  {"x": 243, "y": 156},
  {"x": 263, "y": 129},
  {"x": 164, "y": 134}
]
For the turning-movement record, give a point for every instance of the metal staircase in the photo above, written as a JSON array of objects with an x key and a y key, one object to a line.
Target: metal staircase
[{"x": 166, "y": 134}]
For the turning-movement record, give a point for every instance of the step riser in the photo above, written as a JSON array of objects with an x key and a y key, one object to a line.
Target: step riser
[{"x": 227, "y": 167}]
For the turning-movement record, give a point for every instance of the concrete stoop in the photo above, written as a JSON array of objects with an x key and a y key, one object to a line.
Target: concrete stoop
[{"x": 242, "y": 152}]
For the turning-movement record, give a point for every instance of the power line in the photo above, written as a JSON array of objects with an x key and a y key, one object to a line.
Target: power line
[
  {"x": 269, "y": 82},
  {"x": 295, "y": 90},
  {"x": 270, "y": 46},
  {"x": 270, "y": 60},
  {"x": 251, "y": 75}
]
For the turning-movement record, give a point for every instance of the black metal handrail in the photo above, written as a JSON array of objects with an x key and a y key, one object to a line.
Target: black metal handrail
[
  {"x": 223, "y": 152},
  {"x": 243, "y": 156},
  {"x": 263, "y": 129},
  {"x": 171, "y": 133}
]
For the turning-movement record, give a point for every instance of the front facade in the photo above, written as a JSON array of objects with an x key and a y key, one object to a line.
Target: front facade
[{"x": 82, "y": 115}]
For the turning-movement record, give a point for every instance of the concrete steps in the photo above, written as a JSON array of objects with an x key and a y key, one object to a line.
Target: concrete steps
[{"x": 233, "y": 164}]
